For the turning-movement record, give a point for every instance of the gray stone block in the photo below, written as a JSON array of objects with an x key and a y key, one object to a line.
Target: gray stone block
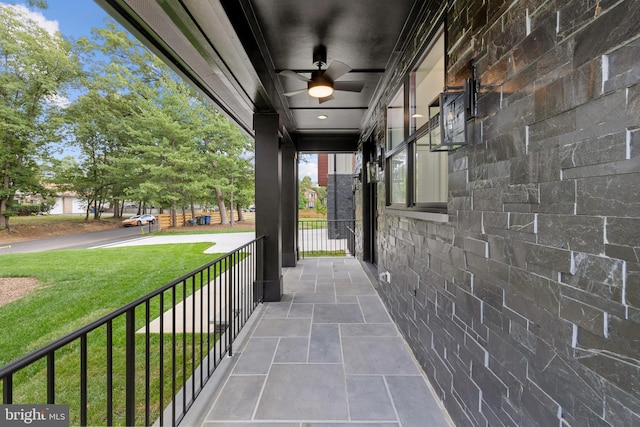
[
  {"x": 603, "y": 149},
  {"x": 579, "y": 233},
  {"x": 609, "y": 195},
  {"x": 597, "y": 38}
]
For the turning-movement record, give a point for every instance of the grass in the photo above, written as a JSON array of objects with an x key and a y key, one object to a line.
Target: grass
[
  {"x": 321, "y": 253},
  {"x": 78, "y": 286},
  {"x": 312, "y": 223}
]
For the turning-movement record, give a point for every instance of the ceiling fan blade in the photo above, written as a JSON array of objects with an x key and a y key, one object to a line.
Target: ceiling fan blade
[
  {"x": 349, "y": 86},
  {"x": 325, "y": 99},
  {"x": 295, "y": 92},
  {"x": 289, "y": 73},
  {"x": 336, "y": 70}
]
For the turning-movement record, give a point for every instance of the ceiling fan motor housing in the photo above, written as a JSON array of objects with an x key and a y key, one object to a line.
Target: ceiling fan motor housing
[{"x": 320, "y": 55}]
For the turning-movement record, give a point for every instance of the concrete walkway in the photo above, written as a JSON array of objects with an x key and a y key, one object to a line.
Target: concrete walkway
[
  {"x": 327, "y": 355},
  {"x": 221, "y": 242}
]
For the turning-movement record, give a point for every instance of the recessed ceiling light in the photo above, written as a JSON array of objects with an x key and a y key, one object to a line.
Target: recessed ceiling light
[
  {"x": 418, "y": 116},
  {"x": 323, "y": 117}
]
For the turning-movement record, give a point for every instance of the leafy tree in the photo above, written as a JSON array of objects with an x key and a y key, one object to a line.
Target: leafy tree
[
  {"x": 35, "y": 69},
  {"x": 145, "y": 135}
]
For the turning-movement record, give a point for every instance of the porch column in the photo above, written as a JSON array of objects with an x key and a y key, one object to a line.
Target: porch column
[
  {"x": 269, "y": 200},
  {"x": 289, "y": 205}
]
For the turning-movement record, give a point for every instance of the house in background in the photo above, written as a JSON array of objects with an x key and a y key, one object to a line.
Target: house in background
[
  {"x": 68, "y": 203},
  {"x": 63, "y": 203},
  {"x": 310, "y": 198}
]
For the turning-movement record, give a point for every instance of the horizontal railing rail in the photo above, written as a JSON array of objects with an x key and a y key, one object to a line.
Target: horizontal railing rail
[
  {"x": 128, "y": 367},
  {"x": 321, "y": 237}
]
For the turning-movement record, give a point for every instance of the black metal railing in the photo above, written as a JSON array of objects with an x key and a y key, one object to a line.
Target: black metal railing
[
  {"x": 321, "y": 237},
  {"x": 147, "y": 361}
]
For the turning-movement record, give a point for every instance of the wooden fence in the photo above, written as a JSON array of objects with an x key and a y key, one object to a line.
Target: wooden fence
[{"x": 164, "y": 220}]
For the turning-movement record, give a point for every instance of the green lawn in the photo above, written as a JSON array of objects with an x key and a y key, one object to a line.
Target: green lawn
[{"x": 79, "y": 286}]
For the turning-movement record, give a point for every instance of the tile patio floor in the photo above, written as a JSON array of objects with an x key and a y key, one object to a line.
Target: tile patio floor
[{"x": 327, "y": 355}]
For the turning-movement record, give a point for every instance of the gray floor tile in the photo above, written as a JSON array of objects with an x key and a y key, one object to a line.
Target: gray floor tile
[
  {"x": 373, "y": 310},
  {"x": 248, "y": 424},
  {"x": 377, "y": 355},
  {"x": 415, "y": 403},
  {"x": 325, "y": 278},
  {"x": 314, "y": 298},
  {"x": 353, "y": 425},
  {"x": 292, "y": 350},
  {"x": 369, "y": 330},
  {"x": 304, "y": 392},
  {"x": 277, "y": 309},
  {"x": 283, "y": 328},
  {"x": 341, "y": 276},
  {"x": 301, "y": 311},
  {"x": 355, "y": 289},
  {"x": 337, "y": 313},
  {"x": 305, "y": 287},
  {"x": 369, "y": 399},
  {"x": 346, "y": 299},
  {"x": 324, "y": 346},
  {"x": 256, "y": 356},
  {"x": 326, "y": 288},
  {"x": 238, "y": 398}
]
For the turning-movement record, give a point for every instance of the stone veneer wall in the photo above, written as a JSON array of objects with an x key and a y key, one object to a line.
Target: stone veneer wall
[
  {"x": 527, "y": 306},
  {"x": 344, "y": 194}
]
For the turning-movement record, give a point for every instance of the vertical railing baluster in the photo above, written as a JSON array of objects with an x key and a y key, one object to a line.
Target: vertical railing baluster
[
  {"x": 216, "y": 315},
  {"x": 161, "y": 361},
  {"x": 202, "y": 317},
  {"x": 51, "y": 378},
  {"x": 173, "y": 355},
  {"x": 109, "y": 373},
  {"x": 83, "y": 379},
  {"x": 130, "y": 387},
  {"x": 7, "y": 389},
  {"x": 147, "y": 370},
  {"x": 184, "y": 345},
  {"x": 209, "y": 320},
  {"x": 230, "y": 304},
  {"x": 193, "y": 336}
]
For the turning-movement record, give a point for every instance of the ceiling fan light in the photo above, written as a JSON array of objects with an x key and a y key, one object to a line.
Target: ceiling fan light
[{"x": 320, "y": 89}]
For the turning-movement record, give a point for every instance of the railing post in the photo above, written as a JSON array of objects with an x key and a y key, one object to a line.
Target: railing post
[
  {"x": 230, "y": 303},
  {"x": 130, "y": 387},
  {"x": 7, "y": 389},
  {"x": 51, "y": 378}
]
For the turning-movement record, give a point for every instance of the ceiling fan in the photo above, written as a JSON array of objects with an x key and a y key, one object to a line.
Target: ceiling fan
[{"x": 323, "y": 83}]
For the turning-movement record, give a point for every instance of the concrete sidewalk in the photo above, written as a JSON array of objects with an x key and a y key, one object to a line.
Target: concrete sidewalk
[{"x": 222, "y": 242}]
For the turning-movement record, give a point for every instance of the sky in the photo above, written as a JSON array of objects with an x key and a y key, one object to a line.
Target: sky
[{"x": 76, "y": 18}]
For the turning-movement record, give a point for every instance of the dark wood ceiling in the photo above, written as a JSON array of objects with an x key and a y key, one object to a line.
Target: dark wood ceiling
[{"x": 233, "y": 51}]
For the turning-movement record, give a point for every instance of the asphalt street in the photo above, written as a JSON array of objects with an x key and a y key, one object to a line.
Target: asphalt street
[{"x": 76, "y": 241}]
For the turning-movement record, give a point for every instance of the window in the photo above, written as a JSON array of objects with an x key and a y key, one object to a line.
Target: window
[
  {"x": 417, "y": 177},
  {"x": 395, "y": 120}
]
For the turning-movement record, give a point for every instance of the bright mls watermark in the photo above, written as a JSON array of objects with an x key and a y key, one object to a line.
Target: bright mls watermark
[{"x": 34, "y": 415}]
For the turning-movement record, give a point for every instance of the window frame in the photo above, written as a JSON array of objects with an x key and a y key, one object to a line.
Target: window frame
[{"x": 410, "y": 139}]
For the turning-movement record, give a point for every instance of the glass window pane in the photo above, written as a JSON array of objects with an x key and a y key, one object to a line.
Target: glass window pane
[
  {"x": 395, "y": 120},
  {"x": 427, "y": 81},
  {"x": 398, "y": 165},
  {"x": 431, "y": 176}
]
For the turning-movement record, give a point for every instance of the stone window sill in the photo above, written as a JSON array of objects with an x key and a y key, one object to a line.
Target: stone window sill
[{"x": 423, "y": 216}]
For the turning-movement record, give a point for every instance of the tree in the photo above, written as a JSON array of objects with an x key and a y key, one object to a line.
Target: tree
[
  {"x": 35, "y": 68},
  {"x": 145, "y": 135}
]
